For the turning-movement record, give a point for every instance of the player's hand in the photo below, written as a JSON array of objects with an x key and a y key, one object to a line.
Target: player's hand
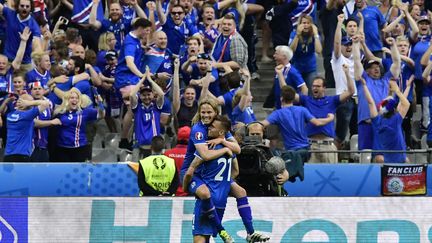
[
  {"x": 212, "y": 143},
  {"x": 229, "y": 152},
  {"x": 330, "y": 116},
  {"x": 282, "y": 177},
  {"x": 186, "y": 180}
]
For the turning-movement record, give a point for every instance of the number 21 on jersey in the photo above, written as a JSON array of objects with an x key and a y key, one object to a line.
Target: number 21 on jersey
[{"x": 226, "y": 166}]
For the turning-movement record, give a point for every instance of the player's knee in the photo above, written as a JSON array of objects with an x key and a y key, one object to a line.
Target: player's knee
[
  {"x": 203, "y": 192},
  {"x": 199, "y": 239},
  {"x": 238, "y": 191}
]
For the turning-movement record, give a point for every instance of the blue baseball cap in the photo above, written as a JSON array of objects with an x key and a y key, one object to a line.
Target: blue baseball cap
[{"x": 346, "y": 41}]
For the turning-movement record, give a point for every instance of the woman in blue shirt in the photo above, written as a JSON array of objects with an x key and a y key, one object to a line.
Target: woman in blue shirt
[
  {"x": 242, "y": 104},
  {"x": 107, "y": 42},
  {"x": 305, "y": 42},
  {"x": 388, "y": 121},
  {"x": 74, "y": 113},
  {"x": 41, "y": 72}
]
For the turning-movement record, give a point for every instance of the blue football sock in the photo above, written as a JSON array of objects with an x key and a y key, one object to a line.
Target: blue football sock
[
  {"x": 246, "y": 214},
  {"x": 209, "y": 211}
]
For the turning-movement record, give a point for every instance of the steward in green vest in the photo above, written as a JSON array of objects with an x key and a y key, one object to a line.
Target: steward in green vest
[{"x": 157, "y": 174}]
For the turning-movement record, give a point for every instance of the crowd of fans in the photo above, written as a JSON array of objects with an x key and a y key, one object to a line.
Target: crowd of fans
[{"x": 148, "y": 64}]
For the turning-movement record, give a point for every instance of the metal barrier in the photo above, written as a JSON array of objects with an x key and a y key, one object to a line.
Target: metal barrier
[{"x": 415, "y": 156}]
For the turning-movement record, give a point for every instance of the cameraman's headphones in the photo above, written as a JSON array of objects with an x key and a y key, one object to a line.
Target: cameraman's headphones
[{"x": 252, "y": 123}]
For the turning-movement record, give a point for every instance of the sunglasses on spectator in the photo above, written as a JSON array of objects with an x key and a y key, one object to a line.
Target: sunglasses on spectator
[
  {"x": 176, "y": 13},
  {"x": 203, "y": 56}
]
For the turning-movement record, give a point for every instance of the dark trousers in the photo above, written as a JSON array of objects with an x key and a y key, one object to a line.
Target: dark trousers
[
  {"x": 72, "y": 154},
  {"x": 16, "y": 158},
  {"x": 248, "y": 33},
  {"x": 406, "y": 126},
  {"x": 39, "y": 155},
  {"x": 302, "y": 155},
  {"x": 346, "y": 117}
]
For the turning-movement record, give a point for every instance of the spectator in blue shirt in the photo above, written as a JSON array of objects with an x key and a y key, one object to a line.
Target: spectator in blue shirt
[
  {"x": 116, "y": 23},
  {"x": 176, "y": 27},
  {"x": 375, "y": 22},
  {"x": 159, "y": 59},
  {"x": 319, "y": 105},
  {"x": 419, "y": 53},
  {"x": 16, "y": 22},
  {"x": 107, "y": 42},
  {"x": 147, "y": 112},
  {"x": 291, "y": 121},
  {"x": 407, "y": 71},
  {"x": 388, "y": 121},
  {"x": 42, "y": 122},
  {"x": 378, "y": 85},
  {"x": 208, "y": 28},
  {"x": 128, "y": 73},
  {"x": 20, "y": 124},
  {"x": 7, "y": 71},
  {"x": 230, "y": 48},
  {"x": 198, "y": 72},
  {"x": 74, "y": 114},
  {"x": 286, "y": 74},
  {"x": 305, "y": 42},
  {"x": 41, "y": 73},
  {"x": 242, "y": 104}
]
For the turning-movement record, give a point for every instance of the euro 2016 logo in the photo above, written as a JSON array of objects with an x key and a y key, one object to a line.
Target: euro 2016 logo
[
  {"x": 199, "y": 135},
  {"x": 395, "y": 185}
]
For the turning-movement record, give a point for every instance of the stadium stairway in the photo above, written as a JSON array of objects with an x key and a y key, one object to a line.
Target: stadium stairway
[{"x": 261, "y": 87}]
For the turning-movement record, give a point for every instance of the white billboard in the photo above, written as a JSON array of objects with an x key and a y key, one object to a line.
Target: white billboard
[{"x": 164, "y": 219}]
